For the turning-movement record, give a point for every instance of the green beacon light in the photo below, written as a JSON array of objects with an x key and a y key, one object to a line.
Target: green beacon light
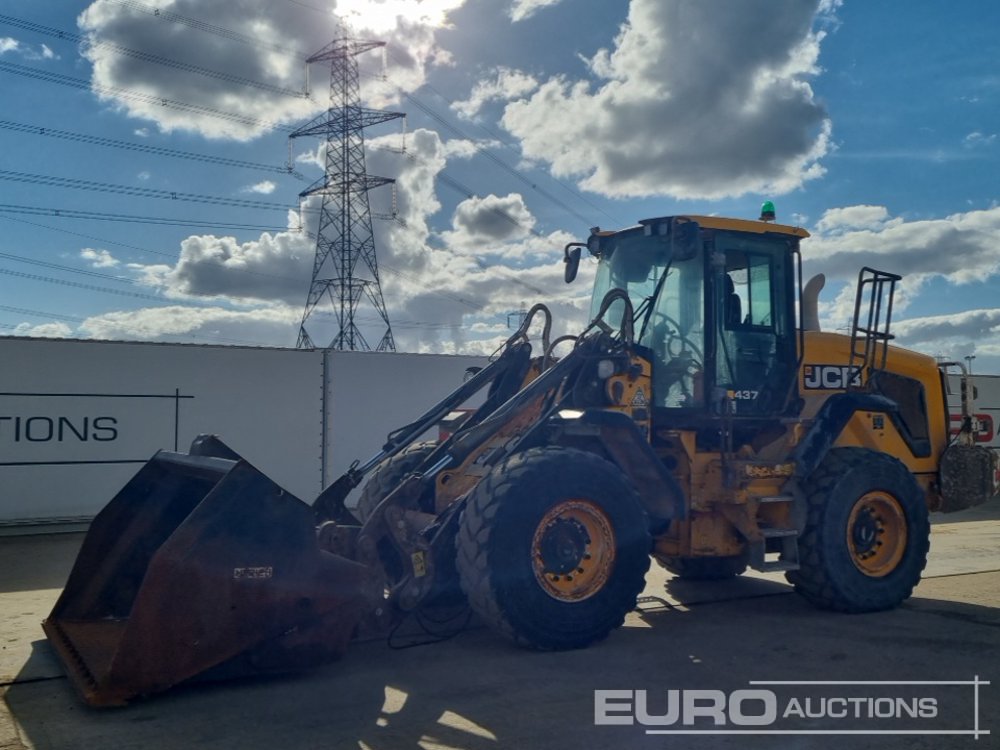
[{"x": 767, "y": 211}]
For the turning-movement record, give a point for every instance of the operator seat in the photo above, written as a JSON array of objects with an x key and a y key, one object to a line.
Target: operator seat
[{"x": 733, "y": 311}]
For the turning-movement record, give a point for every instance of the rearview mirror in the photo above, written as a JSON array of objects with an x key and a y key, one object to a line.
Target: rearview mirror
[{"x": 571, "y": 257}]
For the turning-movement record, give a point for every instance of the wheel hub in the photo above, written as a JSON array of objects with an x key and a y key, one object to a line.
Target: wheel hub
[
  {"x": 564, "y": 546},
  {"x": 866, "y": 532},
  {"x": 573, "y": 550},
  {"x": 876, "y": 534}
]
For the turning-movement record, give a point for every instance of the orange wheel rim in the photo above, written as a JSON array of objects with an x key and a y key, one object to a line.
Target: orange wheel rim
[
  {"x": 573, "y": 550},
  {"x": 876, "y": 534}
]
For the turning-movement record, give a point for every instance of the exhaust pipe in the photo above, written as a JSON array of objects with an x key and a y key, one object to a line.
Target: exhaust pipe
[{"x": 810, "y": 302}]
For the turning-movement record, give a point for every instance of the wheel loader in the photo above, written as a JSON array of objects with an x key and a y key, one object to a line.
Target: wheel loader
[{"x": 701, "y": 420}]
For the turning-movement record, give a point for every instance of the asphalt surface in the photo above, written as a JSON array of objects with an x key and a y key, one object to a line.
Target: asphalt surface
[{"x": 477, "y": 692}]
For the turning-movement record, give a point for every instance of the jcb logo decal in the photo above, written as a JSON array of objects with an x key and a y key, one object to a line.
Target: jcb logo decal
[{"x": 831, "y": 377}]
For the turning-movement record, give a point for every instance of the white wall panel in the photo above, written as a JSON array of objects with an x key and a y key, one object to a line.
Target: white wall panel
[{"x": 78, "y": 418}]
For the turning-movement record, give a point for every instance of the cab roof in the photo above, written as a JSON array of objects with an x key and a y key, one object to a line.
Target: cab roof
[
  {"x": 745, "y": 225},
  {"x": 733, "y": 225}
]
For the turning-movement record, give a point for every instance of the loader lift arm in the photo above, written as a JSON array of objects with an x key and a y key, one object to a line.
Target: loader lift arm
[{"x": 505, "y": 375}]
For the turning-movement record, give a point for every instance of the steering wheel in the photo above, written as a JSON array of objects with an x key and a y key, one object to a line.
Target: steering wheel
[{"x": 676, "y": 343}]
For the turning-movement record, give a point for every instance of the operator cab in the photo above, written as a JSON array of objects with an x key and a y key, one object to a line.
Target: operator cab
[{"x": 714, "y": 303}]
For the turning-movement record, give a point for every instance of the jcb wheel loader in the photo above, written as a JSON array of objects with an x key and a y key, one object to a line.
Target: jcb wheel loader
[{"x": 701, "y": 419}]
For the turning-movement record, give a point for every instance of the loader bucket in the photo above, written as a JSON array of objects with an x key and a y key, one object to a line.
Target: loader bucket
[{"x": 201, "y": 566}]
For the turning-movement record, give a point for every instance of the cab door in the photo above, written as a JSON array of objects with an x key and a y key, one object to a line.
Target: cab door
[{"x": 754, "y": 322}]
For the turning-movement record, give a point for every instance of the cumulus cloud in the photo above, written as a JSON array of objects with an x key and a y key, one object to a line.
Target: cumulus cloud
[
  {"x": 271, "y": 325},
  {"x": 955, "y": 336},
  {"x": 99, "y": 258},
  {"x": 44, "y": 330},
  {"x": 960, "y": 248},
  {"x": 275, "y": 267},
  {"x": 504, "y": 85},
  {"x": 524, "y": 9},
  {"x": 493, "y": 218},
  {"x": 837, "y": 220},
  {"x": 977, "y": 139},
  {"x": 264, "y": 187},
  {"x": 258, "y": 64},
  {"x": 697, "y": 100},
  {"x": 27, "y": 51}
]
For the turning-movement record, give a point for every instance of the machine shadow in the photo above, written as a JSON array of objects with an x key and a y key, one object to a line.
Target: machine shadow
[{"x": 479, "y": 692}]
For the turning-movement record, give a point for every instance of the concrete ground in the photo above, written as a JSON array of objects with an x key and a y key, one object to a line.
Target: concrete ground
[{"x": 477, "y": 692}]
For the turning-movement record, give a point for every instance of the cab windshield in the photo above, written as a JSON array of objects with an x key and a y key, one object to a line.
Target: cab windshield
[{"x": 674, "y": 328}]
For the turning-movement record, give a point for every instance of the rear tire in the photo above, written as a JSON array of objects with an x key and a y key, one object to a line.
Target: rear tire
[
  {"x": 553, "y": 548},
  {"x": 866, "y": 535},
  {"x": 705, "y": 568}
]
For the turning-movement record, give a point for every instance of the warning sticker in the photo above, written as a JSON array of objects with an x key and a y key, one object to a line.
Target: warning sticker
[{"x": 639, "y": 399}]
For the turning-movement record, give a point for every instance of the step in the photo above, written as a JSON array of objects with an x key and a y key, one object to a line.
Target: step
[
  {"x": 778, "y": 533},
  {"x": 774, "y": 499},
  {"x": 788, "y": 550}
]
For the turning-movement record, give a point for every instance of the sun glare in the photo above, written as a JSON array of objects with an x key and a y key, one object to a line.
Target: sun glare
[{"x": 385, "y": 16}]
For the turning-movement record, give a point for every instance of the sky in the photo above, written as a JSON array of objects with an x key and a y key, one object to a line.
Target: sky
[{"x": 149, "y": 188}]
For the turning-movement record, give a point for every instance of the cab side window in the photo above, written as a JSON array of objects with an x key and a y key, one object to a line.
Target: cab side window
[{"x": 748, "y": 291}]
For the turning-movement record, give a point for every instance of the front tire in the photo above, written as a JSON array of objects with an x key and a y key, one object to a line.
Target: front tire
[
  {"x": 383, "y": 481},
  {"x": 553, "y": 548},
  {"x": 388, "y": 475},
  {"x": 866, "y": 535}
]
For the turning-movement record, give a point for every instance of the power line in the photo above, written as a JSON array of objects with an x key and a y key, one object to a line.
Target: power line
[
  {"x": 69, "y": 213},
  {"x": 41, "y": 314},
  {"x": 78, "y": 285},
  {"x": 95, "y": 140},
  {"x": 148, "y": 56},
  {"x": 172, "y": 256},
  {"x": 496, "y": 159},
  {"x": 102, "y": 240},
  {"x": 141, "y": 192},
  {"x": 111, "y": 91},
  {"x": 194, "y": 23},
  {"x": 432, "y": 290},
  {"x": 497, "y": 136},
  {"x": 412, "y": 324},
  {"x": 175, "y": 256},
  {"x": 70, "y": 269}
]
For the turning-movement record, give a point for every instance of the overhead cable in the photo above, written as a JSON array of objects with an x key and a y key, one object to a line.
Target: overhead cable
[
  {"x": 69, "y": 213},
  {"x": 145, "y": 148},
  {"x": 141, "y": 192}
]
